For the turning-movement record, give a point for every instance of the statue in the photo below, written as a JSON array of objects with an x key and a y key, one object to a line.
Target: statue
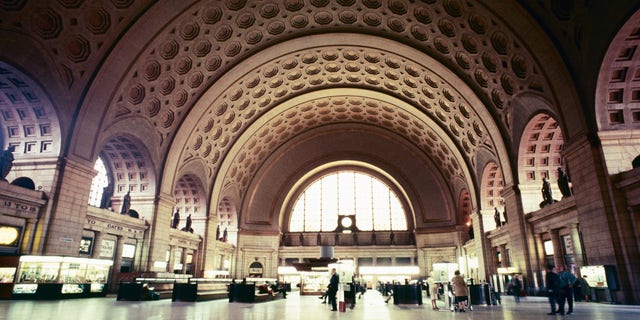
[
  {"x": 504, "y": 213},
  {"x": 6, "y": 162},
  {"x": 176, "y": 219},
  {"x": 392, "y": 238},
  {"x": 224, "y": 235},
  {"x": 218, "y": 232},
  {"x": 373, "y": 238},
  {"x": 496, "y": 218},
  {"x": 563, "y": 183},
  {"x": 187, "y": 226},
  {"x": 301, "y": 238},
  {"x": 355, "y": 238},
  {"x": 126, "y": 204},
  {"x": 547, "y": 197},
  {"x": 318, "y": 239},
  {"x": 105, "y": 201}
]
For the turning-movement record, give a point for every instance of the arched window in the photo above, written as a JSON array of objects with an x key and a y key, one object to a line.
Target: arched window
[
  {"x": 99, "y": 182},
  {"x": 375, "y": 205}
]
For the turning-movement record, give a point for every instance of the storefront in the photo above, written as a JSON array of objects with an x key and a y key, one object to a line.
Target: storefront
[{"x": 55, "y": 277}]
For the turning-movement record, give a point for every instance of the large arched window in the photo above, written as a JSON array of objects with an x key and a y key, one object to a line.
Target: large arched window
[
  {"x": 374, "y": 204},
  {"x": 99, "y": 182}
]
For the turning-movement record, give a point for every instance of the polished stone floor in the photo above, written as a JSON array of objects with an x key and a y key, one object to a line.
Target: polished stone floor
[{"x": 370, "y": 307}]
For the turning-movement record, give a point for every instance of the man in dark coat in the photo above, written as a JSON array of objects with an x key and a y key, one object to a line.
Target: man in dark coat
[
  {"x": 552, "y": 281},
  {"x": 333, "y": 289}
]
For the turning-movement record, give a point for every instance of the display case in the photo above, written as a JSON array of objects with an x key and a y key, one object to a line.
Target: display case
[
  {"x": 313, "y": 282},
  {"x": 52, "y": 277}
]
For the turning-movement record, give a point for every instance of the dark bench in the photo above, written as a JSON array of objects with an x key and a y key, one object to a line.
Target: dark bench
[
  {"x": 200, "y": 290},
  {"x": 133, "y": 291},
  {"x": 248, "y": 293}
]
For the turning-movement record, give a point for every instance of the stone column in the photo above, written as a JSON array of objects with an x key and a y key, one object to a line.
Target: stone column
[
  {"x": 558, "y": 259},
  {"x": 539, "y": 264},
  {"x": 137, "y": 262},
  {"x": 27, "y": 246},
  {"x": 481, "y": 246},
  {"x": 172, "y": 258},
  {"x": 519, "y": 233},
  {"x": 184, "y": 261},
  {"x": 158, "y": 235},
  {"x": 97, "y": 241},
  {"x": 578, "y": 257},
  {"x": 62, "y": 229},
  {"x": 117, "y": 263}
]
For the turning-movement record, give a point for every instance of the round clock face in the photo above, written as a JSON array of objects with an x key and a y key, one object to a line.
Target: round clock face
[{"x": 346, "y": 222}]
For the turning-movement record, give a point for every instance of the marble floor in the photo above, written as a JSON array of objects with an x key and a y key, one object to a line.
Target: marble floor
[{"x": 370, "y": 307}]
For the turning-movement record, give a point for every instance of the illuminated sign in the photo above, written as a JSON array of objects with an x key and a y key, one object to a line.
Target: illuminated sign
[
  {"x": 9, "y": 236},
  {"x": 86, "y": 244}
]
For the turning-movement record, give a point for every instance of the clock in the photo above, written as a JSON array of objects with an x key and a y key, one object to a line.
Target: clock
[{"x": 346, "y": 222}]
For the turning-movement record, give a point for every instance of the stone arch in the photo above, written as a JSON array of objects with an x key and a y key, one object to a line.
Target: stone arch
[
  {"x": 617, "y": 97},
  {"x": 132, "y": 170},
  {"x": 465, "y": 207},
  {"x": 491, "y": 199},
  {"x": 30, "y": 123},
  {"x": 539, "y": 157},
  {"x": 191, "y": 199},
  {"x": 227, "y": 214}
]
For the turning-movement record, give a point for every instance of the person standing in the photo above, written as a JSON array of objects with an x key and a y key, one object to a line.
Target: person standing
[
  {"x": 433, "y": 292},
  {"x": 584, "y": 288},
  {"x": 460, "y": 290},
  {"x": 567, "y": 279},
  {"x": 333, "y": 289},
  {"x": 515, "y": 288},
  {"x": 552, "y": 281}
]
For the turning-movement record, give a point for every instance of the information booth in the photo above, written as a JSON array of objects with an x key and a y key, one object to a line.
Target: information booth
[
  {"x": 54, "y": 277},
  {"x": 602, "y": 279}
]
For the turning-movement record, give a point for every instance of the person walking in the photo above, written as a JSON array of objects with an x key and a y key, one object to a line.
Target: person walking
[
  {"x": 552, "y": 281},
  {"x": 333, "y": 289},
  {"x": 460, "y": 291}
]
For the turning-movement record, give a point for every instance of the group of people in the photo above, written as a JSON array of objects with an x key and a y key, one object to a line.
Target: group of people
[
  {"x": 560, "y": 290},
  {"x": 460, "y": 291}
]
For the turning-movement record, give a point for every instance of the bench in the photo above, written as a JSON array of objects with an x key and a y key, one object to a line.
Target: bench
[
  {"x": 201, "y": 290},
  {"x": 132, "y": 291},
  {"x": 249, "y": 293}
]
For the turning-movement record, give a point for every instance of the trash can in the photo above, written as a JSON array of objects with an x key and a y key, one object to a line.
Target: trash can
[{"x": 478, "y": 294}]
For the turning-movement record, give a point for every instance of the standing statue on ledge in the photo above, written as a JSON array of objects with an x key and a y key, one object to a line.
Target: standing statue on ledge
[
  {"x": 218, "y": 232},
  {"x": 6, "y": 162},
  {"x": 496, "y": 218},
  {"x": 126, "y": 204},
  {"x": 504, "y": 213},
  {"x": 224, "y": 235},
  {"x": 563, "y": 183},
  {"x": 176, "y": 219},
  {"x": 547, "y": 198},
  {"x": 105, "y": 201},
  {"x": 187, "y": 226}
]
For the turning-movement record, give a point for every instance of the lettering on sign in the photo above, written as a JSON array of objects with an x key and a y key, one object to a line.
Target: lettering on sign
[
  {"x": 19, "y": 206},
  {"x": 113, "y": 226},
  {"x": 107, "y": 248}
]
